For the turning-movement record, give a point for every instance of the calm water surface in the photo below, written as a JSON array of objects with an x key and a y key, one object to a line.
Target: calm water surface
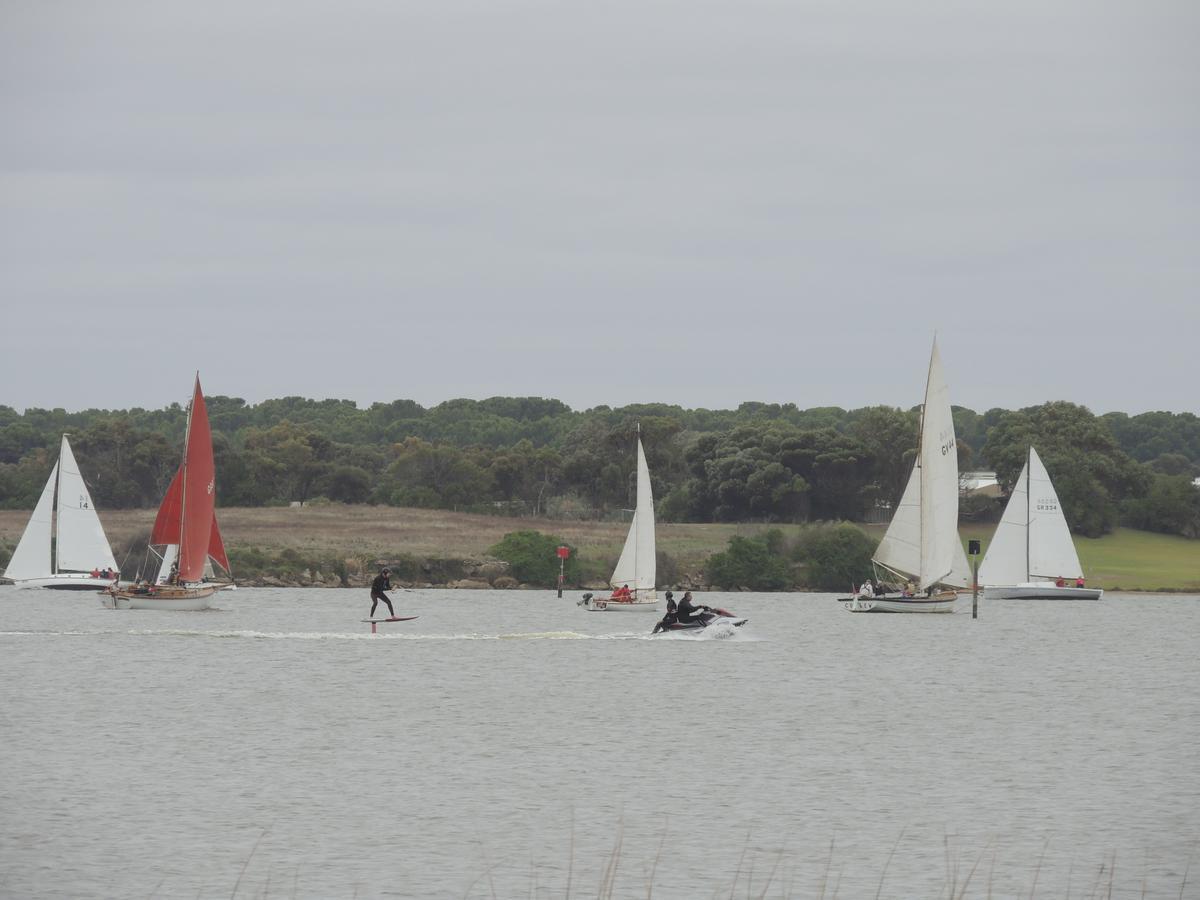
[{"x": 512, "y": 745}]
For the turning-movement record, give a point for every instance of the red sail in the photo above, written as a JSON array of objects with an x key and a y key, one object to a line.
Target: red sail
[
  {"x": 216, "y": 547},
  {"x": 199, "y": 492},
  {"x": 170, "y": 513}
]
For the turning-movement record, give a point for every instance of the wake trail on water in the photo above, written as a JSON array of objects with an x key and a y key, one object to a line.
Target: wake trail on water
[{"x": 708, "y": 634}]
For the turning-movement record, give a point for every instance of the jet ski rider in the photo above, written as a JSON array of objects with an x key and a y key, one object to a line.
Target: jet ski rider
[{"x": 689, "y": 612}]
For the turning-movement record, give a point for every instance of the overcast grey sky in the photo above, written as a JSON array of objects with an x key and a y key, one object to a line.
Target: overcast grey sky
[{"x": 689, "y": 202}]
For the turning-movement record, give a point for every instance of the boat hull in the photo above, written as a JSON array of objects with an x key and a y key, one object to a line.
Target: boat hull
[
  {"x": 66, "y": 583},
  {"x": 1041, "y": 592},
  {"x": 938, "y": 603},
  {"x": 165, "y": 598},
  {"x": 606, "y": 604}
]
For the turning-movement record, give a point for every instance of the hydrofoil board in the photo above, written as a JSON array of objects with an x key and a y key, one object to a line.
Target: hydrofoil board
[{"x": 392, "y": 619}]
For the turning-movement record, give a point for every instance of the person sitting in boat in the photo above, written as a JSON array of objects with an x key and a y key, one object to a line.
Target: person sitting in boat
[
  {"x": 382, "y": 582},
  {"x": 1079, "y": 581},
  {"x": 173, "y": 576},
  {"x": 688, "y": 611},
  {"x": 867, "y": 589},
  {"x": 622, "y": 593},
  {"x": 1060, "y": 582}
]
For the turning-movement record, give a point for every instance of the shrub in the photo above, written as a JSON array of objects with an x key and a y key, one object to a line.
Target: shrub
[
  {"x": 749, "y": 563},
  {"x": 835, "y": 556},
  {"x": 533, "y": 557}
]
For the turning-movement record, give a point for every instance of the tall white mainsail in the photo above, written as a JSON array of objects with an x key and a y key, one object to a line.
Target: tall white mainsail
[
  {"x": 1032, "y": 540},
  {"x": 637, "y": 564},
  {"x": 922, "y": 539},
  {"x": 81, "y": 544},
  {"x": 31, "y": 559}
]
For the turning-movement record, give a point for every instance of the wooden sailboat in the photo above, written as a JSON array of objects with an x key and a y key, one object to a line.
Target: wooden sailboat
[
  {"x": 186, "y": 527},
  {"x": 64, "y": 542},
  {"x": 637, "y": 565},
  {"x": 1032, "y": 548},
  {"x": 921, "y": 545}
]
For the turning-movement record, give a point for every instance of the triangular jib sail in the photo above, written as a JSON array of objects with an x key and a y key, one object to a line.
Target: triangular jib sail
[
  {"x": 31, "y": 559},
  {"x": 636, "y": 566}
]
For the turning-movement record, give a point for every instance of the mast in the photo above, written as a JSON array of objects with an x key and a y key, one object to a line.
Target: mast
[
  {"x": 1028, "y": 491},
  {"x": 920, "y": 448},
  {"x": 636, "y": 499},
  {"x": 57, "y": 499}
]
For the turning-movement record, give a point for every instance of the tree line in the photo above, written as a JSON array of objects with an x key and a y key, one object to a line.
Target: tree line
[{"x": 535, "y": 456}]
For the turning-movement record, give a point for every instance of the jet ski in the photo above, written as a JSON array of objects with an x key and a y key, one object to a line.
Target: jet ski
[{"x": 709, "y": 615}]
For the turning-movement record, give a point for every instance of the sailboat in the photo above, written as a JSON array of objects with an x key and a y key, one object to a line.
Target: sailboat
[
  {"x": 636, "y": 567},
  {"x": 1032, "y": 547},
  {"x": 921, "y": 544},
  {"x": 64, "y": 541},
  {"x": 185, "y": 527}
]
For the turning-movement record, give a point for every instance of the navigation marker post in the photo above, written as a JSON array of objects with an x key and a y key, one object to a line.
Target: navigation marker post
[
  {"x": 563, "y": 552},
  {"x": 973, "y": 552}
]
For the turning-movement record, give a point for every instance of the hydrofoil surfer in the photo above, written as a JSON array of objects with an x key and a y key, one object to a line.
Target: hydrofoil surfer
[{"x": 382, "y": 582}]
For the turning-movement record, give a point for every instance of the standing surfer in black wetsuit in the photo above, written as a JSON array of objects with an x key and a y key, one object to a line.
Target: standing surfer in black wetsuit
[{"x": 382, "y": 582}]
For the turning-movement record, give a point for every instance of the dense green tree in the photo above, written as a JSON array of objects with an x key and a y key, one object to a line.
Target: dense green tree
[
  {"x": 835, "y": 556},
  {"x": 1091, "y": 474},
  {"x": 1171, "y": 506},
  {"x": 749, "y": 563}
]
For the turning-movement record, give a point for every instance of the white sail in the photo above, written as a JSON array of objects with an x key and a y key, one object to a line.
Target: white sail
[
  {"x": 1051, "y": 550},
  {"x": 1006, "y": 560},
  {"x": 81, "y": 544},
  {"x": 939, "y": 480},
  {"x": 900, "y": 549},
  {"x": 636, "y": 566},
  {"x": 1032, "y": 540},
  {"x": 169, "y": 557},
  {"x": 960, "y": 575},
  {"x": 31, "y": 559}
]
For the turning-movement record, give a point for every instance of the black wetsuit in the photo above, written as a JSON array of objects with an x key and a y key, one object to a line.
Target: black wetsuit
[
  {"x": 688, "y": 613},
  {"x": 378, "y": 586}
]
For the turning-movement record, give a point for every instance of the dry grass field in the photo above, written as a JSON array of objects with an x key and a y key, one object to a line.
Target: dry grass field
[
  {"x": 1127, "y": 559},
  {"x": 384, "y": 530}
]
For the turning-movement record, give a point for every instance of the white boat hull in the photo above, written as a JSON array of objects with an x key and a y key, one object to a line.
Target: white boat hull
[
  {"x": 938, "y": 603},
  {"x": 65, "y": 582},
  {"x": 171, "y": 599},
  {"x": 606, "y": 604},
  {"x": 1041, "y": 592}
]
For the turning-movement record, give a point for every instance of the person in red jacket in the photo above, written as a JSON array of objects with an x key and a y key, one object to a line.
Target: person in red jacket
[{"x": 622, "y": 593}]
